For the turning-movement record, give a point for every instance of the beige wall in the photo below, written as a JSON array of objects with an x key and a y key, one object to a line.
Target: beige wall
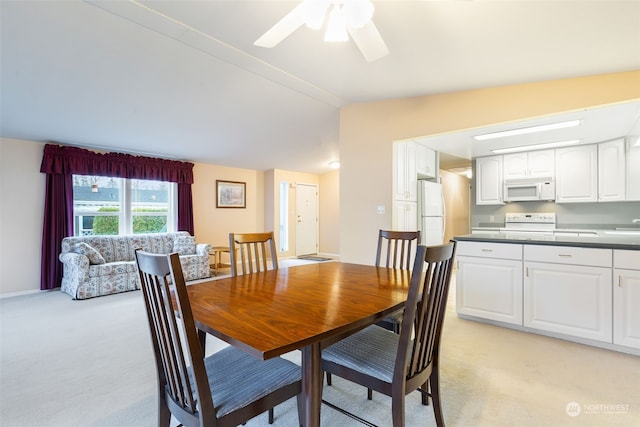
[
  {"x": 21, "y": 215},
  {"x": 456, "y": 190},
  {"x": 330, "y": 213},
  {"x": 212, "y": 225},
  {"x": 367, "y": 132}
]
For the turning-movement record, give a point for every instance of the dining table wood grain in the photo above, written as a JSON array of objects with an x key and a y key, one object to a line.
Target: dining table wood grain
[{"x": 305, "y": 307}]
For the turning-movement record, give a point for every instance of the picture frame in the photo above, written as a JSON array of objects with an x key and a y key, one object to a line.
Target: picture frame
[{"x": 230, "y": 194}]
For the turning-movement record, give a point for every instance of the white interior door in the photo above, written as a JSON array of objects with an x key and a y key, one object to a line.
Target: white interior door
[{"x": 306, "y": 219}]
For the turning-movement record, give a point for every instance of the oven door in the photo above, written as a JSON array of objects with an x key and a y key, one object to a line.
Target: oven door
[{"x": 521, "y": 192}]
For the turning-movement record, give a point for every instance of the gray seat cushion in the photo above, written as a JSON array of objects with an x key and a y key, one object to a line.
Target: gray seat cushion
[
  {"x": 237, "y": 378},
  {"x": 371, "y": 351}
]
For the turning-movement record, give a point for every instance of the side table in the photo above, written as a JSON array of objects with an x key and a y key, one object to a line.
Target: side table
[{"x": 216, "y": 252}]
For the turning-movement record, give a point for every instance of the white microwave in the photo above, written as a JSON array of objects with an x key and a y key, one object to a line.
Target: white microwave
[{"x": 524, "y": 190}]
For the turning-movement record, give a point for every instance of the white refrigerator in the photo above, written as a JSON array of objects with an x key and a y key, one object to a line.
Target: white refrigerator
[{"x": 431, "y": 213}]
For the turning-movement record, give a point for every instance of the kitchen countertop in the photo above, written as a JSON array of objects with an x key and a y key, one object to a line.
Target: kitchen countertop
[{"x": 607, "y": 241}]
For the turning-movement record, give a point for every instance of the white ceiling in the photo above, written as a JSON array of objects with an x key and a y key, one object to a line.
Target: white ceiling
[{"x": 182, "y": 79}]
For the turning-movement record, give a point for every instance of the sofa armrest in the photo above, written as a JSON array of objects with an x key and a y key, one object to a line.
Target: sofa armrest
[
  {"x": 203, "y": 249},
  {"x": 75, "y": 272},
  {"x": 74, "y": 260}
]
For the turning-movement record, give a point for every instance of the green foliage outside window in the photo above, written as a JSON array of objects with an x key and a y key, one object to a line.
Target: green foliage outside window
[{"x": 108, "y": 225}]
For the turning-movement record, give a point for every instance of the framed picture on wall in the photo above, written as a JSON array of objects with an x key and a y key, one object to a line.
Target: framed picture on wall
[{"x": 230, "y": 194}]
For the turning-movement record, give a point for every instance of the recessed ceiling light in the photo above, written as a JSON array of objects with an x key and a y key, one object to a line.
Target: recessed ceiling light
[
  {"x": 536, "y": 146},
  {"x": 530, "y": 129},
  {"x": 334, "y": 164}
]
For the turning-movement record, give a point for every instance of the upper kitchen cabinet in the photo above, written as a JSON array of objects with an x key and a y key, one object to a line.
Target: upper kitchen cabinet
[
  {"x": 532, "y": 164},
  {"x": 405, "y": 175},
  {"x": 633, "y": 169},
  {"x": 411, "y": 162},
  {"x": 577, "y": 174},
  {"x": 611, "y": 171},
  {"x": 489, "y": 180},
  {"x": 426, "y": 162}
]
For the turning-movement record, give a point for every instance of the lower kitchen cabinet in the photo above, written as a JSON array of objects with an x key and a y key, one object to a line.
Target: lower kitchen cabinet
[
  {"x": 568, "y": 299},
  {"x": 489, "y": 281},
  {"x": 626, "y": 298}
]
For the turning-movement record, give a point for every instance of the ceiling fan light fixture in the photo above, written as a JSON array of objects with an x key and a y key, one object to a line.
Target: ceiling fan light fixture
[
  {"x": 314, "y": 11},
  {"x": 357, "y": 13},
  {"x": 336, "y": 28}
]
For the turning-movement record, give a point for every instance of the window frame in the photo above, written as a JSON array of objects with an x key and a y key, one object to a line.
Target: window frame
[{"x": 126, "y": 213}]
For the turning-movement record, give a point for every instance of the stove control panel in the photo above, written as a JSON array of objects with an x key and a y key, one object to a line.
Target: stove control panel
[{"x": 531, "y": 218}]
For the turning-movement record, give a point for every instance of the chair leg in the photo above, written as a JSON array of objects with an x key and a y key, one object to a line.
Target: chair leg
[
  {"x": 270, "y": 415},
  {"x": 328, "y": 378},
  {"x": 300, "y": 408},
  {"x": 434, "y": 383},
  {"x": 424, "y": 390},
  {"x": 397, "y": 410},
  {"x": 369, "y": 394}
]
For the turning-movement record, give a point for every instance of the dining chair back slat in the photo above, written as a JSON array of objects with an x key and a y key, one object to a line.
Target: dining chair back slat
[
  {"x": 255, "y": 250},
  {"x": 396, "y": 248}
]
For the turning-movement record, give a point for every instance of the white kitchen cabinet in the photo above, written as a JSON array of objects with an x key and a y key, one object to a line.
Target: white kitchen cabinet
[
  {"x": 626, "y": 298},
  {"x": 405, "y": 176},
  {"x": 532, "y": 164},
  {"x": 405, "y": 216},
  {"x": 611, "y": 171},
  {"x": 489, "y": 281},
  {"x": 426, "y": 162},
  {"x": 633, "y": 169},
  {"x": 568, "y": 290},
  {"x": 489, "y": 180},
  {"x": 577, "y": 174}
]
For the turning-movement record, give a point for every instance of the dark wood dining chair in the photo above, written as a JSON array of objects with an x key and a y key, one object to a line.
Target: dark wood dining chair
[
  {"x": 397, "y": 364},
  {"x": 226, "y": 388},
  {"x": 252, "y": 251},
  {"x": 395, "y": 250}
]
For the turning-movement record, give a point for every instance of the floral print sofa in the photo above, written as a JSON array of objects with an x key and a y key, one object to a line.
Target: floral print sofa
[{"x": 101, "y": 265}]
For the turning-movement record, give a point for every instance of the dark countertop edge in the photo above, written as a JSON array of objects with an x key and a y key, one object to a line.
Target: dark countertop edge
[{"x": 582, "y": 242}]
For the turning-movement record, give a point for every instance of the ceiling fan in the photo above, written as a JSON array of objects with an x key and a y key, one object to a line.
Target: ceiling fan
[{"x": 346, "y": 17}]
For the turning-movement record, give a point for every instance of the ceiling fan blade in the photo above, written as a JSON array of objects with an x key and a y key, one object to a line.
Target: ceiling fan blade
[
  {"x": 369, "y": 41},
  {"x": 283, "y": 28}
]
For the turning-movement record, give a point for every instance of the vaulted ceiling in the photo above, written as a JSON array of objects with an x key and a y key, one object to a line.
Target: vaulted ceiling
[{"x": 183, "y": 80}]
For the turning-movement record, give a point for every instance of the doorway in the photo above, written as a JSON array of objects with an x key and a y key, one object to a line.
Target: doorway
[{"x": 306, "y": 219}]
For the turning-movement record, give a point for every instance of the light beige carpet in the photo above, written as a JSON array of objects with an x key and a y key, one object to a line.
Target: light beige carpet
[{"x": 89, "y": 363}]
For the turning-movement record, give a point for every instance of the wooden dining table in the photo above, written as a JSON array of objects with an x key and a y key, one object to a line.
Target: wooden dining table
[{"x": 304, "y": 307}]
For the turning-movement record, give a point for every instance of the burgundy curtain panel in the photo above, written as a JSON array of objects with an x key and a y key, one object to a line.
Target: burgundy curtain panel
[{"x": 61, "y": 162}]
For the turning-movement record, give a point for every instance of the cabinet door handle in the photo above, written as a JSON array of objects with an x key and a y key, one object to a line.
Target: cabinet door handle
[
  {"x": 565, "y": 255},
  {"x": 487, "y": 250},
  {"x": 619, "y": 281},
  {"x": 526, "y": 272}
]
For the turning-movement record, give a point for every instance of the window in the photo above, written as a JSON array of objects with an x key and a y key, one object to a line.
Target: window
[{"x": 105, "y": 205}]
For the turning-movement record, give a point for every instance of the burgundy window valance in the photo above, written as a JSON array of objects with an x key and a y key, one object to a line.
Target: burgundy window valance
[{"x": 58, "y": 159}]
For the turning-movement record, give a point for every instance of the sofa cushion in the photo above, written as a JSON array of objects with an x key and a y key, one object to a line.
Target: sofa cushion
[
  {"x": 90, "y": 252},
  {"x": 184, "y": 245},
  {"x": 112, "y": 268}
]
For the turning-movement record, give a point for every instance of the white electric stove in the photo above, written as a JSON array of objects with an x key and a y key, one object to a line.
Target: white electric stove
[{"x": 529, "y": 223}]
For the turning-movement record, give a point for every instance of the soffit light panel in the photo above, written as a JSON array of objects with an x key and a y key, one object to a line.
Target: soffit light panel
[
  {"x": 537, "y": 146},
  {"x": 526, "y": 130}
]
